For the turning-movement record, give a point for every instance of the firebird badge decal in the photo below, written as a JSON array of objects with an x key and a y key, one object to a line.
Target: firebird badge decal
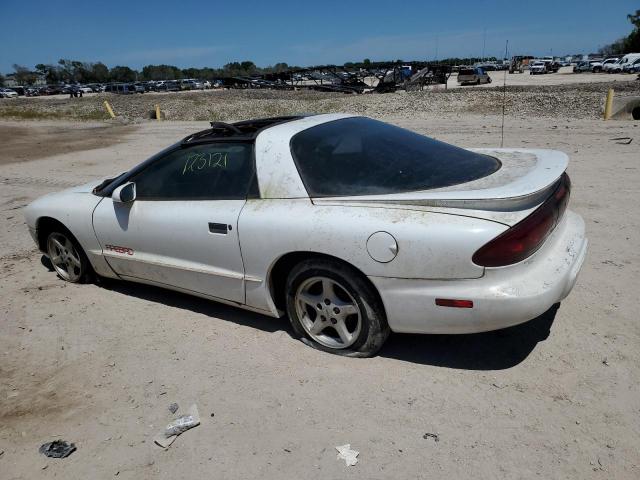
[{"x": 117, "y": 249}]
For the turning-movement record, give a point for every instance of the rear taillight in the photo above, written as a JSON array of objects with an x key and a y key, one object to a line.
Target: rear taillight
[{"x": 525, "y": 237}]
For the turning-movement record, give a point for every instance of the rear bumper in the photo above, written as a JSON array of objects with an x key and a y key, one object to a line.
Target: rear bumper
[{"x": 503, "y": 297}]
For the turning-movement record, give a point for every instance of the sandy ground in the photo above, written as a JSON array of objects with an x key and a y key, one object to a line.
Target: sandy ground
[
  {"x": 558, "y": 397},
  {"x": 22, "y": 143}
]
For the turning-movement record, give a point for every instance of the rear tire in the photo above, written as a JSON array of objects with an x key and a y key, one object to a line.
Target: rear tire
[{"x": 332, "y": 307}]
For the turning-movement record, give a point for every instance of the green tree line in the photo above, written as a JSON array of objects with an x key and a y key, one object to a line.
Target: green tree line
[
  {"x": 74, "y": 71},
  {"x": 628, "y": 44}
]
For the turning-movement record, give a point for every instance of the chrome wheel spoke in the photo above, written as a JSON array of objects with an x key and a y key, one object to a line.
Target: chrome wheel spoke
[
  {"x": 343, "y": 332},
  {"x": 346, "y": 309},
  {"x": 57, "y": 260},
  {"x": 58, "y": 245},
  {"x": 74, "y": 260},
  {"x": 317, "y": 326},
  {"x": 327, "y": 289},
  {"x": 309, "y": 299}
]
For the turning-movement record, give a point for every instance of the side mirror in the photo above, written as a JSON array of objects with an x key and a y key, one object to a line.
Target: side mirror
[{"x": 124, "y": 193}]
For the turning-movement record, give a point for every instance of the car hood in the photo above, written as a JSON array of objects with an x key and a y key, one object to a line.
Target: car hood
[{"x": 86, "y": 187}]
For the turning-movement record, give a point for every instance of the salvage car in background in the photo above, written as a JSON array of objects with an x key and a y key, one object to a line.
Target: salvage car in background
[
  {"x": 594, "y": 66},
  {"x": 8, "y": 93},
  {"x": 632, "y": 67},
  {"x": 473, "y": 76},
  {"x": 537, "y": 68},
  {"x": 351, "y": 226}
]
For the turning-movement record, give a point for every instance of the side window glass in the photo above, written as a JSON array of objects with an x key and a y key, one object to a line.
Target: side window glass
[{"x": 201, "y": 172}]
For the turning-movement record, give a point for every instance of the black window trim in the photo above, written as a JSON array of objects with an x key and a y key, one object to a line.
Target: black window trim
[{"x": 141, "y": 167}]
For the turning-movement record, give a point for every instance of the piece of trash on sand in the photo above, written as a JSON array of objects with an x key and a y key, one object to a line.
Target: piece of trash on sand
[
  {"x": 431, "y": 435},
  {"x": 57, "y": 449},
  {"x": 177, "y": 427},
  {"x": 349, "y": 456},
  {"x": 622, "y": 140},
  {"x": 173, "y": 408}
]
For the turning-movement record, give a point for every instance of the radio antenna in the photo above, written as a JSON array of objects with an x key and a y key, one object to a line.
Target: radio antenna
[{"x": 504, "y": 94}]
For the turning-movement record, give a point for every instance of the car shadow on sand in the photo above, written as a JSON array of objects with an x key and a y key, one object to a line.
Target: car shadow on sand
[
  {"x": 495, "y": 350},
  {"x": 199, "y": 305}
]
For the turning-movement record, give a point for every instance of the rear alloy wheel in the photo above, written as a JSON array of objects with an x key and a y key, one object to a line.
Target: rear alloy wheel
[
  {"x": 67, "y": 259},
  {"x": 334, "y": 308}
]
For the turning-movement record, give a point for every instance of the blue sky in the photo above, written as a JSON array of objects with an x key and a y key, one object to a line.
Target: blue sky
[{"x": 303, "y": 32}]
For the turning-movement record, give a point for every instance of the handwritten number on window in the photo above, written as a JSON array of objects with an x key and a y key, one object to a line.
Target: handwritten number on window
[{"x": 203, "y": 161}]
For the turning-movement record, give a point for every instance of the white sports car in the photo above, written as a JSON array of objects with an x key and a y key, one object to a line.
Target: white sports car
[{"x": 352, "y": 227}]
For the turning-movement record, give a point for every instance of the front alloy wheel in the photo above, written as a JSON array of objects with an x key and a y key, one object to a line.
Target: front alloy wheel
[{"x": 65, "y": 257}]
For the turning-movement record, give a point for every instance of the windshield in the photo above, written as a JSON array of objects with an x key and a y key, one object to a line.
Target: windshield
[{"x": 361, "y": 156}]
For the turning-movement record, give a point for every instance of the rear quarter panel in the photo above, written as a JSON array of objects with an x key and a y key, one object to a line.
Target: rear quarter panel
[{"x": 430, "y": 245}]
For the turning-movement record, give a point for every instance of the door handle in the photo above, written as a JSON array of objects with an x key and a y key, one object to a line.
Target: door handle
[{"x": 218, "y": 228}]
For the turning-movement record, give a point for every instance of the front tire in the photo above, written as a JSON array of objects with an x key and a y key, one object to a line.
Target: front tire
[
  {"x": 333, "y": 308},
  {"x": 67, "y": 257}
]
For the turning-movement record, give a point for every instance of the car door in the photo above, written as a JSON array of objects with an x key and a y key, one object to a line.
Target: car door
[{"x": 181, "y": 228}]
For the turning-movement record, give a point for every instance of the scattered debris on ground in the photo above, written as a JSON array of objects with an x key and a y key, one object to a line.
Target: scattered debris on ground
[
  {"x": 349, "y": 456},
  {"x": 173, "y": 408},
  {"x": 177, "y": 427},
  {"x": 57, "y": 449},
  {"x": 622, "y": 140},
  {"x": 428, "y": 435}
]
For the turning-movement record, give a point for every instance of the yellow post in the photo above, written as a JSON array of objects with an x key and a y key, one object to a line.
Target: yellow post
[
  {"x": 158, "y": 117},
  {"x": 608, "y": 104},
  {"x": 109, "y": 109}
]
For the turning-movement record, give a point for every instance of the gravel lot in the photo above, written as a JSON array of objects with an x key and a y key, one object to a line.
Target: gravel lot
[
  {"x": 558, "y": 397},
  {"x": 574, "y": 101}
]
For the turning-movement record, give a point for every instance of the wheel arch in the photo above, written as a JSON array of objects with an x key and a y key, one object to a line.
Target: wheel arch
[
  {"x": 279, "y": 271},
  {"x": 44, "y": 226}
]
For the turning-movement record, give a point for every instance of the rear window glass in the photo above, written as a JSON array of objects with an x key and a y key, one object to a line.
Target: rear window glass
[
  {"x": 467, "y": 71},
  {"x": 361, "y": 156}
]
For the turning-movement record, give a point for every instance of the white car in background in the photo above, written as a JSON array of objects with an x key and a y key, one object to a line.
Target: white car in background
[
  {"x": 618, "y": 66},
  {"x": 8, "y": 93},
  {"x": 537, "y": 68},
  {"x": 602, "y": 66},
  {"x": 352, "y": 227},
  {"x": 632, "y": 67}
]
